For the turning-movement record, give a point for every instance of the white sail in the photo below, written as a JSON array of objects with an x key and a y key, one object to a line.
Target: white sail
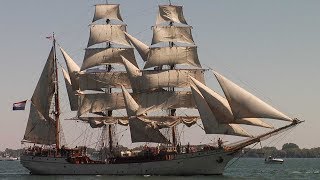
[
  {"x": 98, "y": 80},
  {"x": 164, "y": 100},
  {"x": 132, "y": 106},
  {"x": 221, "y": 109},
  {"x": 73, "y": 98},
  {"x": 107, "y": 11},
  {"x": 142, "y": 48},
  {"x": 149, "y": 80},
  {"x": 209, "y": 121},
  {"x": 133, "y": 71},
  {"x": 245, "y": 105},
  {"x": 152, "y": 101},
  {"x": 170, "y": 13},
  {"x": 159, "y": 56},
  {"x": 140, "y": 130},
  {"x": 100, "y": 33},
  {"x": 73, "y": 69},
  {"x": 100, "y": 102},
  {"x": 40, "y": 127},
  {"x": 101, "y": 56},
  {"x": 172, "y": 34},
  {"x": 42, "y": 95}
]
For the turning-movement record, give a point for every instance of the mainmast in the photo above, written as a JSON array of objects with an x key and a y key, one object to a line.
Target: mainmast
[
  {"x": 172, "y": 111},
  {"x": 56, "y": 97},
  {"x": 109, "y": 68}
]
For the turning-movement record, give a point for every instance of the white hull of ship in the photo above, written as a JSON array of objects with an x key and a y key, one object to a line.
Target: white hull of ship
[{"x": 199, "y": 163}]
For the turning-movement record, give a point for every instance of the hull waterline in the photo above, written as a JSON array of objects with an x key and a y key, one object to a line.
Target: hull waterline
[{"x": 199, "y": 163}]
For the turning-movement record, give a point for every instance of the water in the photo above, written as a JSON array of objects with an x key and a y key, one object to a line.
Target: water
[{"x": 245, "y": 168}]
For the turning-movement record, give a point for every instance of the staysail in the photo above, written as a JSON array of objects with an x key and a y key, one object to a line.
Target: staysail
[
  {"x": 209, "y": 121},
  {"x": 73, "y": 70},
  {"x": 142, "y": 48},
  {"x": 73, "y": 98},
  {"x": 245, "y": 105},
  {"x": 221, "y": 109},
  {"x": 140, "y": 130}
]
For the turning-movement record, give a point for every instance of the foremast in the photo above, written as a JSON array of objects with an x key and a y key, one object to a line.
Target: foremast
[{"x": 106, "y": 43}]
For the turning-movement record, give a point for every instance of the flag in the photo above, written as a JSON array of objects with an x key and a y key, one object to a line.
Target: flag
[
  {"x": 49, "y": 37},
  {"x": 19, "y": 105}
]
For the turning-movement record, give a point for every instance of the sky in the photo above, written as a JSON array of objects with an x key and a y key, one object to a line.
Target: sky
[{"x": 271, "y": 48}]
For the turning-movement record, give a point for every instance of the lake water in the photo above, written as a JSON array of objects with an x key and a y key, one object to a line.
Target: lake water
[{"x": 244, "y": 168}]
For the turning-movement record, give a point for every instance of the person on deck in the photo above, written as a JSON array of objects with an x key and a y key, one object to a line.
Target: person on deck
[{"x": 220, "y": 143}]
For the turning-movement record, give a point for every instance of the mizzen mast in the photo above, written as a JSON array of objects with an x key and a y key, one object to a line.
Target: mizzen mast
[{"x": 56, "y": 96}]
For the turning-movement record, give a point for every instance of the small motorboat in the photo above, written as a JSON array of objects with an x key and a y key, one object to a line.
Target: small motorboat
[{"x": 272, "y": 160}]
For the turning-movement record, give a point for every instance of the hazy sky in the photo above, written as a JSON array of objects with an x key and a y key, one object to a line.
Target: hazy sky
[{"x": 271, "y": 48}]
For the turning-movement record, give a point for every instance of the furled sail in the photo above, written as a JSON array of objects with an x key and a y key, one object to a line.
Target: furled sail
[
  {"x": 156, "y": 121},
  {"x": 149, "y": 80},
  {"x": 170, "y": 13},
  {"x": 160, "y": 122},
  {"x": 73, "y": 69},
  {"x": 209, "y": 121},
  {"x": 96, "y": 124},
  {"x": 245, "y": 105},
  {"x": 152, "y": 101},
  {"x": 140, "y": 130},
  {"x": 142, "y": 48},
  {"x": 159, "y": 56},
  {"x": 107, "y": 11},
  {"x": 101, "y": 56},
  {"x": 221, "y": 109},
  {"x": 100, "y": 33},
  {"x": 40, "y": 127},
  {"x": 98, "y": 80},
  {"x": 73, "y": 98},
  {"x": 107, "y": 120},
  {"x": 180, "y": 34}
]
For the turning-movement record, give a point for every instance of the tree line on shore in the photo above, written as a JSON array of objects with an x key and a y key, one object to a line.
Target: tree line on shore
[{"x": 288, "y": 150}]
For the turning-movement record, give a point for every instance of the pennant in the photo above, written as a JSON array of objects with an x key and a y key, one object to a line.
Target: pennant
[{"x": 19, "y": 105}]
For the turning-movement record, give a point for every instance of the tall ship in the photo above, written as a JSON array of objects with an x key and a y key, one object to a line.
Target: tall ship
[{"x": 155, "y": 103}]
